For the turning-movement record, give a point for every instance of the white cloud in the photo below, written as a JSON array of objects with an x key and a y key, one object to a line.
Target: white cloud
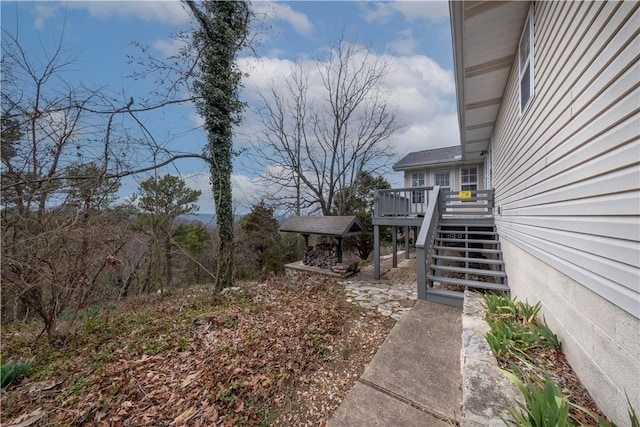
[
  {"x": 167, "y": 11},
  {"x": 283, "y": 12},
  {"x": 43, "y": 12},
  {"x": 406, "y": 44},
  {"x": 246, "y": 191},
  {"x": 196, "y": 119},
  {"x": 169, "y": 48},
  {"x": 422, "y": 91},
  {"x": 433, "y": 11}
]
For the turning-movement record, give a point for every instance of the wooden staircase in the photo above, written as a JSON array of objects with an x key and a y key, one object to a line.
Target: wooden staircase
[{"x": 466, "y": 255}]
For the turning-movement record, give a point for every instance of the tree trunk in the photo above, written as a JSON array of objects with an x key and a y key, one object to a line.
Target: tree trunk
[
  {"x": 221, "y": 181},
  {"x": 169, "y": 257},
  {"x": 222, "y": 32}
]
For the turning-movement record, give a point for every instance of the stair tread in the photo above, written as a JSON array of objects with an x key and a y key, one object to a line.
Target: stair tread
[
  {"x": 489, "y": 228},
  {"x": 453, "y": 239},
  {"x": 444, "y": 296},
  {"x": 469, "y": 259},
  {"x": 477, "y": 271},
  {"x": 482, "y": 224},
  {"x": 469, "y": 283},
  {"x": 482, "y": 233},
  {"x": 459, "y": 249}
]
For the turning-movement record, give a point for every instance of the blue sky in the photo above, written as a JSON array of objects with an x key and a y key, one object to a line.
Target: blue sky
[{"x": 413, "y": 36}]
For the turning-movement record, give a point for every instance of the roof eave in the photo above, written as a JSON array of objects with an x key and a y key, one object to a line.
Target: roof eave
[
  {"x": 427, "y": 164},
  {"x": 485, "y": 38},
  {"x": 457, "y": 31}
]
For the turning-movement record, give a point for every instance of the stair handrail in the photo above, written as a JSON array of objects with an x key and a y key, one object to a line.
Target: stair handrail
[{"x": 426, "y": 239}]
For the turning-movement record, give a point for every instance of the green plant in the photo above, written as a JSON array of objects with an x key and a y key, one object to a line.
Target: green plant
[
  {"x": 345, "y": 353},
  {"x": 70, "y": 396},
  {"x": 544, "y": 405},
  {"x": 229, "y": 393},
  {"x": 633, "y": 417},
  {"x": 500, "y": 306},
  {"x": 545, "y": 332},
  {"x": 318, "y": 345},
  {"x": 11, "y": 372},
  {"x": 92, "y": 325},
  {"x": 183, "y": 343},
  {"x": 527, "y": 312},
  {"x": 514, "y": 327}
]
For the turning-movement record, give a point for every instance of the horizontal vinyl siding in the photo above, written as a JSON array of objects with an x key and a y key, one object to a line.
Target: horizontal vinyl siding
[{"x": 567, "y": 172}]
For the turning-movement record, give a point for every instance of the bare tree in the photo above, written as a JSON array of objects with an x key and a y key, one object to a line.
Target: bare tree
[
  {"x": 64, "y": 146},
  {"x": 315, "y": 147}
]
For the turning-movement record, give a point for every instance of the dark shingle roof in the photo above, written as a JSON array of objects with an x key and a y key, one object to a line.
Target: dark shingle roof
[
  {"x": 428, "y": 157},
  {"x": 340, "y": 226}
]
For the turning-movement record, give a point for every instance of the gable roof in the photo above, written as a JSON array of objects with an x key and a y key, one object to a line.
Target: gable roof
[
  {"x": 429, "y": 157},
  {"x": 338, "y": 226}
]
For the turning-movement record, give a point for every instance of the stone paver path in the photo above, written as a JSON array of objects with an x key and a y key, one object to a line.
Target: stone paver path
[
  {"x": 388, "y": 300},
  {"x": 393, "y": 295}
]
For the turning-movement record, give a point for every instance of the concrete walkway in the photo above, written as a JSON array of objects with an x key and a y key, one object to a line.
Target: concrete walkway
[{"x": 414, "y": 379}]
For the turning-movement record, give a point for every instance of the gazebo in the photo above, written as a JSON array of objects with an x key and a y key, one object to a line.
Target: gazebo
[{"x": 334, "y": 226}]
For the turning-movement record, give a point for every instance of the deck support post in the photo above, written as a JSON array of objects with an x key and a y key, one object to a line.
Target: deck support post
[
  {"x": 339, "y": 249},
  {"x": 406, "y": 242},
  {"x": 394, "y": 239},
  {"x": 376, "y": 252}
]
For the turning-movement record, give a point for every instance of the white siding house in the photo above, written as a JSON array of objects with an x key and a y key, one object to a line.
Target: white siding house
[
  {"x": 551, "y": 91},
  {"x": 443, "y": 167}
]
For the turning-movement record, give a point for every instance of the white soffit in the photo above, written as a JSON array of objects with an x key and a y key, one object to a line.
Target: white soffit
[{"x": 485, "y": 42}]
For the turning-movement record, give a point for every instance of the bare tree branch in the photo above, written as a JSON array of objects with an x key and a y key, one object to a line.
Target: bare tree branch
[{"x": 318, "y": 147}]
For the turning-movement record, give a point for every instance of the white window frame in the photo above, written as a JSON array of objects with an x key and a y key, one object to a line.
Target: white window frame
[
  {"x": 442, "y": 172},
  {"x": 418, "y": 179},
  {"x": 526, "y": 62},
  {"x": 463, "y": 184}
]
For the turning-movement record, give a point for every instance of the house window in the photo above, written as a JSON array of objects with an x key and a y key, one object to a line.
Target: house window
[
  {"x": 469, "y": 179},
  {"x": 443, "y": 179},
  {"x": 417, "y": 180},
  {"x": 525, "y": 62}
]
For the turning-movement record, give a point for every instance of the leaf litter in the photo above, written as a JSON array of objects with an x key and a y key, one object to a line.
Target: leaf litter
[{"x": 282, "y": 352}]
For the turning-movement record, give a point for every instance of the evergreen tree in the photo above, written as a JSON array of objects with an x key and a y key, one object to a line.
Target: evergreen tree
[
  {"x": 161, "y": 201},
  {"x": 262, "y": 237},
  {"x": 357, "y": 200}
]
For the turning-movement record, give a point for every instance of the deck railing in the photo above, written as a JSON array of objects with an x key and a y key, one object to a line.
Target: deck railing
[
  {"x": 408, "y": 206},
  {"x": 402, "y": 202},
  {"x": 475, "y": 202},
  {"x": 426, "y": 237}
]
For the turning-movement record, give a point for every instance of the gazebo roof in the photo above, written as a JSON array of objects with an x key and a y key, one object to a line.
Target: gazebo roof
[{"x": 338, "y": 226}]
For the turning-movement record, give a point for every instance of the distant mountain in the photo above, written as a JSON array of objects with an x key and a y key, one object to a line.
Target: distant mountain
[{"x": 206, "y": 219}]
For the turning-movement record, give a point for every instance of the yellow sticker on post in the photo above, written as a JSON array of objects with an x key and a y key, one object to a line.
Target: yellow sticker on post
[{"x": 464, "y": 195}]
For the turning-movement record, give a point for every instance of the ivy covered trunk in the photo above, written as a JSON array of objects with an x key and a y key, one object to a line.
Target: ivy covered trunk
[
  {"x": 221, "y": 32},
  {"x": 221, "y": 183}
]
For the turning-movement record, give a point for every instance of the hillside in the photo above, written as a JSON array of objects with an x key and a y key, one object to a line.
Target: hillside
[{"x": 282, "y": 352}]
